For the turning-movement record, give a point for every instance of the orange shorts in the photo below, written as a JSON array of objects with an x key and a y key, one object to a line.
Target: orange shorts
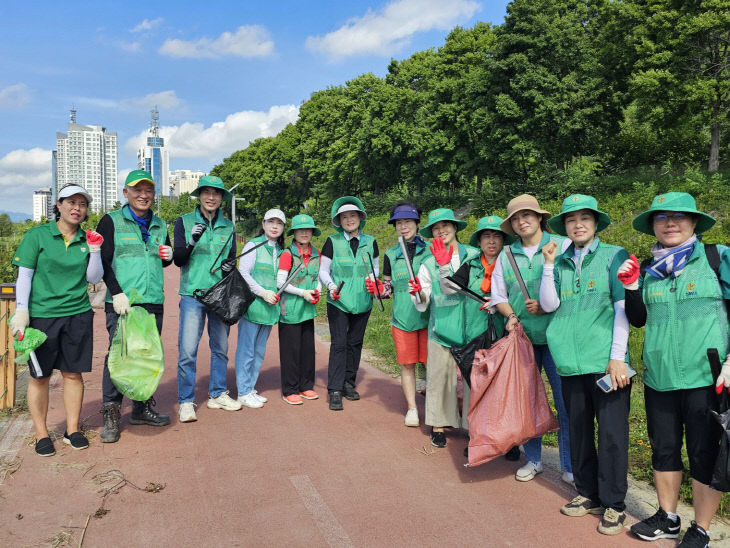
[{"x": 410, "y": 346}]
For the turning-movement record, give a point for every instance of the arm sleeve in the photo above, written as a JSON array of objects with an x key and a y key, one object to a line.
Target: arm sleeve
[
  {"x": 106, "y": 229},
  {"x": 376, "y": 266},
  {"x": 549, "y": 300},
  {"x": 232, "y": 253},
  {"x": 635, "y": 307},
  {"x": 620, "y": 331},
  {"x": 281, "y": 277},
  {"x": 325, "y": 262},
  {"x": 618, "y": 293},
  {"x": 245, "y": 266},
  {"x": 499, "y": 288},
  {"x": 181, "y": 252},
  {"x": 327, "y": 249},
  {"x": 376, "y": 251},
  {"x": 386, "y": 267},
  {"x": 94, "y": 270},
  {"x": 23, "y": 285},
  {"x": 425, "y": 278}
]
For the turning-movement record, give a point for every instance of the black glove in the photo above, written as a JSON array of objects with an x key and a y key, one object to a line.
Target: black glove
[
  {"x": 196, "y": 233},
  {"x": 228, "y": 265}
]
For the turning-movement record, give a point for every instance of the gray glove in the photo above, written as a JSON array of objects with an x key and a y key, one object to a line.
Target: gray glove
[
  {"x": 196, "y": 233},
  {"x": 228, "y": 265}
]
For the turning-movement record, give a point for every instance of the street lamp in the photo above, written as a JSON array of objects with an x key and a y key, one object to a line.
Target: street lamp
[{"x": 233, "y": 203}]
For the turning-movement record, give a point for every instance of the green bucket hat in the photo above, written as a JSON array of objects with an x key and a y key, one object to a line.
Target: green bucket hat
[
  {"x": 213, "y": 182},
  {"x": 303, "y": 221},
  {"x": 492, "y": 222},
  {"x": 137, "y": 176},
  {"x": 673, "y": 201},
  {"x": 441, "y": 215},
  {"x": 347, "y": 203},
  {"x": 576, "y": 202}
]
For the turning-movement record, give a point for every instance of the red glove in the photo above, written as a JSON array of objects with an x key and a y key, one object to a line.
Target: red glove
[
  {"x": 94, "y": 241},
  {"x": 414, "y": 286},
  {"x": 372, "y": 285},
  {"x": 334, "y": 295},
  {"x": 165, "y": 252},
  {"x": 628, "y": 273},
  {"x": 276, "y": 300},
  {"x": 315, "y": 296},
  {"x": 485, "y": 306},
  {"x": 438, "y": 250}
]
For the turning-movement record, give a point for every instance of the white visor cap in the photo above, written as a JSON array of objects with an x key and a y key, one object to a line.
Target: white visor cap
[{"x": 70, "y": 190}]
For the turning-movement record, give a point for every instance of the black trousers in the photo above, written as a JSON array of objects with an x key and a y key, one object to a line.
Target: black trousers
[
  {"x": 599, "y": 475},
  {"x": 346, "y": 332},
  {"x": 296, "y": 354}
]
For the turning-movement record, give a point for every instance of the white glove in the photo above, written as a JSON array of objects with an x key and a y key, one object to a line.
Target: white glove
[
  {"x": 120, "y": 302},
  {"x": 196, "y": 233},
  {"x": 269, "y": 296},
  {"x": 723, "y": 379},
  {"x": 165, "y": 252},
  {"x": 19, "y": 321}
]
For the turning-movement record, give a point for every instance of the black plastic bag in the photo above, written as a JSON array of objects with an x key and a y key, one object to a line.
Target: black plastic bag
[
  {"x": 721, "y": 473},
  {"x": 464, "y": 355},
  {"x": 228, "y": 298}
]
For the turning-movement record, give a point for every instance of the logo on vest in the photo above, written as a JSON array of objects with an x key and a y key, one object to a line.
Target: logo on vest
[
  {"x": 691, "y": 290},
  {"x": 591, "y": 285}
]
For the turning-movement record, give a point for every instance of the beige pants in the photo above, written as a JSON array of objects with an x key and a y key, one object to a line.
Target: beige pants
[{"x": 442, "y": 404}]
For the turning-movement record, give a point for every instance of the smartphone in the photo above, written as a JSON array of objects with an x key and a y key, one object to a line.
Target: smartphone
[{"x": 605, "y": 384}]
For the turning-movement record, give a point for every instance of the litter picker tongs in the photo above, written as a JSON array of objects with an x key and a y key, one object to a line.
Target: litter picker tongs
[
  {"x": 409, "y": 266},
  {"x": 371, "y": 272}
]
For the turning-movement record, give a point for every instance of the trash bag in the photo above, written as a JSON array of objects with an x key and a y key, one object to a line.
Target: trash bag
[
  {"x": 464, "y": 355},
  {"x": 508, "y": 401},
  {"x": 136, "y": 360},
  {"x": 228, "y": 298},
  {"x": 721, "y": 473},
  {"x": 32, "y": 339}
]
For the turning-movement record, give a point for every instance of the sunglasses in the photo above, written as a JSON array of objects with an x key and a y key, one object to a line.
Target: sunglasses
[{"x": 676, "y": 217}]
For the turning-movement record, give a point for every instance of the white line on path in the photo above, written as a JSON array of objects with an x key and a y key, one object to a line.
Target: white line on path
[{"x": 326, "y": 521}]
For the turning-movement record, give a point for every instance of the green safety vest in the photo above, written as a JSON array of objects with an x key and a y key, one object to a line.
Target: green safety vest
[
  {"x": 295, "y": 309},
  {"x": 685, "y": 317},
  {"x": 581, "y": 331},
  {"x": 354, "y": 298},
  {"x": 264, "y": 272},
  {"x": 405, "y": 316},
  {"x": 531, "y": 270},
  {"x": 137, "y": 264},
  {"x": 477, "y": 321},
  {"x": 447, "y": 320},
  {"x": 195, "y": 274}
]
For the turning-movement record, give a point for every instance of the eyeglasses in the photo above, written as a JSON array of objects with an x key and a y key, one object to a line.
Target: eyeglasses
[{"x": 676, "y": 217}]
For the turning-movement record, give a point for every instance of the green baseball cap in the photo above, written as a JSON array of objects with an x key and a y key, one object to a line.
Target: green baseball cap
[
  {"x": 673, "y": 201},
  {"x": 213, "y": 182},
  {"x": 303, "y": 221},
  {"x": 576, "y": 202},
  {"x": 137, "y": 176},
  {"x": 438, "y": 215},
  {"x": 491, "y": 222},
  {"x": 347, "y": 203}
]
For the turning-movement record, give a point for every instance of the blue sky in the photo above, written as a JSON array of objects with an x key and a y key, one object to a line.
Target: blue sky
[{"x": 221, "y": 73}]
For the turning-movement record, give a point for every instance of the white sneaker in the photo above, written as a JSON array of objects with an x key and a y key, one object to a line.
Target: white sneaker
[
  {"x": 223, "y": 401},
  {"x": 250, "y": 400},
  {"x": 567, "y": 477},
  {"x": 412, "y": 418},
  {"x": 187, "y": 412},
  {"x": 262, "y": 399},
  {"x": 529, "y": 471}
]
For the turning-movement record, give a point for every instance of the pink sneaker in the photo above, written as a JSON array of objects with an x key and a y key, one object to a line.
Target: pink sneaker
[
  {"x": 309, "y": 395},
  {"x": 292, "y": 399}
]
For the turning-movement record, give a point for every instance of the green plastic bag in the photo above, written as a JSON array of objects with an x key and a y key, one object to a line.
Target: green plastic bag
[
  {"x": 32, "y": 339},
  {"x": 136, "y": 360}
]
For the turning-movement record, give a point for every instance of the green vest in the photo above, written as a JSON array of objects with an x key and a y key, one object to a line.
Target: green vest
[
  {"x": 477, "y": 320},
  {"x": 195, "y": 274},
  {"x": 264, "y": 272},
  {"x": 447, "y": 320},
  {"x": 405, "y": 316},
  {"x": 354, "y": 298},
  {"x": 531, "y": 270},
  {"x": 295, "y": 309},
  {"x": 685, "y": 317},
  {"x": 581, "y": 331},
  {"x": 137, "y": 264}
]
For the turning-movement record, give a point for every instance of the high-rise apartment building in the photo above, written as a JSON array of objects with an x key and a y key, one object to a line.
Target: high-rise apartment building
[
  {"x": 153, "y": 158},
  {"x": 184, "y": 180},
  {"x": 87, "y": 156},
  {"x": 42, "y": 204}
]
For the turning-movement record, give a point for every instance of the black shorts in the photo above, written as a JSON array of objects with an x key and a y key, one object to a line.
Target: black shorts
[
  {"x": 69, "y": 345},
  {"x": 671, "y": 414}
]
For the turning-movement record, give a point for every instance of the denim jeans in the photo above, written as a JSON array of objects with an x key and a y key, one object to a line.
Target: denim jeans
[
  {"x": 192, "y": 322},
  {"x": 250, "y": 351},
  {"x": 533, "y": 448}
]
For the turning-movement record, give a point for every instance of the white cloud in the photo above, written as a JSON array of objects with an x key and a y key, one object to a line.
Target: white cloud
[
  {"x": 387, "y": 31},
  {"x": 147, "y": 25},
  {"x": 21, "y": 173},
  {"x": 163, "y": 99},
  {"x": 16, "y": 95},
  {"x": 130, "y": 47},
  {"x": 220, "y": 139},
  {"x": 247, "y": 41}
]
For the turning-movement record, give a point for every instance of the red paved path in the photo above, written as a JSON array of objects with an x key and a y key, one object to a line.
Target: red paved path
[{"x": 280, "y": 475}]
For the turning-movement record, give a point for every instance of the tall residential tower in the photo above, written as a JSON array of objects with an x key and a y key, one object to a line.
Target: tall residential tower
[{"x": 153, "y": 158}]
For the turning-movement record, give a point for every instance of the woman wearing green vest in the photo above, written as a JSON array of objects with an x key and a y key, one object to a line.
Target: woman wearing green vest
[
  {"x": 298, "y": 310},
  {"x": 447, "y": 322},
  {"x": 408, "y": 325},
  {"x": 343, "y": 262},
  {"x": 526, "y": 220},
  {"x": 259, "y": 269},
  {"x": 588, "y": 338},
  {"x": 681, "y": 299},
  {"x": 58, "y": 306}
]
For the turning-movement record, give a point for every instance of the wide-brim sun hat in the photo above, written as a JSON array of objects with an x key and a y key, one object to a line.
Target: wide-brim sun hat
[
  {"x": 137, "y": 176},
  {"x": 520, "y": 203},
  {"x": 70, "y": 190},
  {"x": 673, "y": 201},
  {"x": 577, "y": 202},
  {"x": 491, "y": 222},
  {"x": 347, "y": 203},
  {"x": 213, "y": 182},
  {"x": 303, "y": 221},
  {"x": 441, "y": 215}
]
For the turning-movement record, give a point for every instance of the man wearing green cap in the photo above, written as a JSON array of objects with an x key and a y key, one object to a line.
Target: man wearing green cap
[
  {"x": 135, "y": 250},
  {"x": 204, "y": 239}
]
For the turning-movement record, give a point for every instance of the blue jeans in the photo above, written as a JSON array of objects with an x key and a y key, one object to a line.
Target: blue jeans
[
  {"x": 192, "y": 322},
  {"x": 250, "y": 352},
  {"x": 533, "y": 448}
]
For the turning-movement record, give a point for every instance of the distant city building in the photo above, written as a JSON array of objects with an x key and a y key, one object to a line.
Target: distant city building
[
  {"x": 184, "y": 180},
  {"x": 43, "y": 204},
  {"x": 153, "y": 158},
  {"x": 87, "y": 156}
]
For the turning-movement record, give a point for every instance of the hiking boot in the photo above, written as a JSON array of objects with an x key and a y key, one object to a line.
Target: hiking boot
[
  {"x": 513, "y": 454},
  {"x": 187, "y": 412},
  {"x": 223, "y": 401},
  {"x": 438, "y": 439},
  {"x": 612, "y": 522},
  {"x": 111, "y": 412},
  {"x": 336, "y": 400},
  {"x": 695, "y": 537},
  {"x": 580, "y": 506},
  {"x": 44, "y": 447},
  {"x": 350, "y": 393},
  {"x": 657, "y": 526},
  {"x": 412, "y": 418},
  {"x": 143, "y": 413},
  {"x": 529, "y": 471},
  {"x": 76, "y": 440}
]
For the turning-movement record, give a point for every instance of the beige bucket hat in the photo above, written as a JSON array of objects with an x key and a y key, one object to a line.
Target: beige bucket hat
[{"x": 523, "y": 201}]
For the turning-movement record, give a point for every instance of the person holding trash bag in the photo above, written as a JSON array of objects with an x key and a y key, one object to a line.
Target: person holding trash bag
[
  {"x": 201, "y": 238},
  {"x": 588, "y": 338},
  {"x": 447, "y": 324},
  {"x": 298, "y": 310},
  {"x": 259, "y": 269},
  {"x": 679, "y": 295},
  {"x": 409, "y": 326},
  {"x": 528, "y": 221},
  {"x": 344, "y": 271},
  {"x": 58, "y": 305},
  {"x": 135, "y": 250}
]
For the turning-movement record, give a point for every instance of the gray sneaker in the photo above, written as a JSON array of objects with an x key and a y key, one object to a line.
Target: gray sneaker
[
  {"x": 612, "y": 522},
  {"x": 187, "y": 412},
  {"x": 223, "y": 401},
  {"x": 581, "y": 506}
]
